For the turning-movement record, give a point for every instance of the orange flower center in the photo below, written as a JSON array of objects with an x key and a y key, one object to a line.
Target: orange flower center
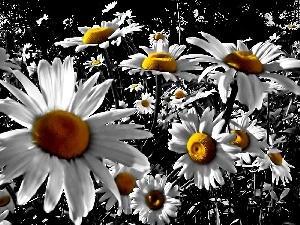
[
  {"x": 125, "y": 183},
  {"x": 155, "y": 200},
  {"x": 179, "y": 94},
  {"x": 158, "y": 36},
  {"x": 242, "y": 139},
  {"x": 201, "y": 148},
  {"x": 276, "y": 158},
  {"x": 145, "y": 103},
  {"x": 97, "y": 35},
  {"x": 61, "y": 133},
  {"x": 244, "y": 61},
  {"x": 4, "y": 200},
  {"x": 160, "y": 61}
]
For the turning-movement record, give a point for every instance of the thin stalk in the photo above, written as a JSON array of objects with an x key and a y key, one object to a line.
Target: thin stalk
[
  {"x": 111, "y": 76},
  {"x": 158, "y": 80}
]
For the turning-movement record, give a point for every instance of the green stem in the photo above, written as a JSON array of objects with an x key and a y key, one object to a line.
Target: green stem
[
  {"x": 229, "y": 107},
  {"x": 111, "y": 76}
]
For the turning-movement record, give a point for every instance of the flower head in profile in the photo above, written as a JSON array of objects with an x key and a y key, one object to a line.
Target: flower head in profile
[
  {"x": 250, "y": 68},
  {"x": 100, "y": 35},
  {"x": 135, "y": 87},
  {"x": 155, "y": 200},
  {"x": 125, "y": 178},
  {"x": 158, "y": 35},
  {"x": 63, "y": 141},
  {"x": 249, "y": 137},
  {"x": 280, "y": 168},
  {"x": 205, "y": 149},
  {"x": 5, "y": 62},
  {"x": 145, "y": 105},
  {"x": 178, "y": 97},
  {"x": 162, "y": 59}
]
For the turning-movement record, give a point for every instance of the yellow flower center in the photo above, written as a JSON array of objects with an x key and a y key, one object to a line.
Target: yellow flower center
[
  {"x": 4, "y": 200},
  {"x": 179, "y": 94},
  {"x": 155, "y": 200},
  {"x": 125, "y": 183},
  {"x": 61, "y": 133},
  {"x": 96, "y": 62},
  {"x": 244, "y": 61},
  {"x": 160, "y": 61},
  {"x": 145, "y": 103},
  {"x": 242, "y": 139},
  {"x": 97, "y": 35},
  {"x": 158, "y": 36},
  {"x": 292, "y": 26},
  {"x": 201, "y": 148},
  {"x": 276, "y": 158},
  {"x": 134, "y": 86}
]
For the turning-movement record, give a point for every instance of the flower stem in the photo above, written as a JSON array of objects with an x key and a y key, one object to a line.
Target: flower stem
[
  {"x": 230, "y": 102},
  {"x": 158, "y": 80},
  {"x": 111, "y": 75}
]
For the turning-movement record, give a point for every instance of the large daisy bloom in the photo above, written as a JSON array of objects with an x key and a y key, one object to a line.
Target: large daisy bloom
[
  {"x": 249, "y": 137},
  {"x": 205, "y": 149},
  {"x": 279, "y": 167},
  {"x": 125, "y": 178},
  {"x": 100, "y": 35},
  {"x": 145, "y": 105},
  {"x": 5, "y": 63},
  {"x": 155, "y": 200},
  {"x": 63, "y": 140},
  {"x": 249, "y": 67},
  {"x": 162, "y": 59}
]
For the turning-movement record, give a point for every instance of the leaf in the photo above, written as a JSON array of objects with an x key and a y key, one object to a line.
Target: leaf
[
  {"x": 273, "y": 195},
  {"x": 284, "y": 193},
  {"x": 293, "y": 130}
]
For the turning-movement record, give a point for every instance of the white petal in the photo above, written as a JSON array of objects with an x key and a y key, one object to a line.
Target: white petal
[{"x": 68, "y": 80}]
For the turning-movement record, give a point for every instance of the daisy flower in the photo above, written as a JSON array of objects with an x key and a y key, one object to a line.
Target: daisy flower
[
  {"x": 248, "y": 137},
  {"x": 162, "y": 59},
  {"x": 178, "y": 97},
  {"x": 94, "y": 62},
  {"x": 249, "y": 67},
  {"x": 100, "y": 35},
  {"x": 5, "y": 63},
  {"x": 155, "y": 200},
  {"x": 205, "y": 149},
  {"x": 125, "y": 178},
  {"x": 292, "y": 26},
  {"x": 135, "y": 87},
  {"x": 63, "y": 140},
  {"x": 6, "y": 201},
  {"x": 158, "y": 35},
  {"x": 145, "y": 104},
  {"x": 279, "y": 167}
]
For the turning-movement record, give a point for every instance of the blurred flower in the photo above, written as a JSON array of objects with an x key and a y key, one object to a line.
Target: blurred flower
[
  {"x": 205, "y": 149},
  {"x": 62, "y": 140},
  {"x": 145, "y": 104},
  {"x": 162, "y": 60},
  {"x": 40, "y": 20},
  {"x": 246, "y": 66},
  {"x": 292, "y": 26},
  {"x": 249, "y": 137},
  {"x": 125, "y": 178},
  {"x": 136, "y": 87},
  {"x": 5, "y": 63},
  {"x": 109, "y": 7},
  {"x": 122, "y": 105},
  {"x": 279, "y": 167},
  {"x": 32, "y": 68},
  {"x": 155, "y": 200},
  {"x": 99, "y": 35},
  {"x": 158, "y": 35}
]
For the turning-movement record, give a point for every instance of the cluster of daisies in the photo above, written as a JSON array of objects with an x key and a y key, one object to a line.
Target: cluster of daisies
[{"x": 65, "y": 139}]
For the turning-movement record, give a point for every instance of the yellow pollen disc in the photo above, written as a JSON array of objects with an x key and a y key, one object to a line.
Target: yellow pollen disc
[
  {"x": 242, "y": 139},
  {"x": 276, "y": 158},
  {"x": 201, "y": 148},
  {"x": 97, "y": 35},
  {"x": 145, "y": 103},
  {"x": 158, "y": 36},
  {"x": 4, "y": 200},
  {"x": 155, "y": 200},
  {"x": 292, "y": 26},
  {"x": 244, "y": 61},
  {"x": 125, "y": 183},
  {"x": 96, "y": 62},
  {"x": 61, "y": 133},
  {"x": 160, "y": 61},
  {"x": 134, "y": 86},
  {"x": 179, "y": 94}
]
